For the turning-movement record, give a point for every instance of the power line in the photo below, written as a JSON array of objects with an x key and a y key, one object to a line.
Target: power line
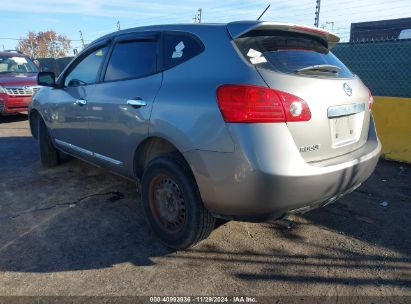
[
  {"x": 21, "y": 39},
  {"x": 327, "y": 12},
  {"x": 222, "y": 9},
  {"x": 324, "y": 10},
  {"x": 7, "y": 38}
]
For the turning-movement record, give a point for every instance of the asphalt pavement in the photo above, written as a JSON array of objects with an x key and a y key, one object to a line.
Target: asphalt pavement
[{"x": 78, "y": 230}]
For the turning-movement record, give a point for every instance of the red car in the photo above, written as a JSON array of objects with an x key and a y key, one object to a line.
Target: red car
[{"x": 17, "y": 82}]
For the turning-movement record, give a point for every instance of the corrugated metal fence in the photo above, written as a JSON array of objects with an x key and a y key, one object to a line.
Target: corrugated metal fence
[{"x": 53, "y": 64}]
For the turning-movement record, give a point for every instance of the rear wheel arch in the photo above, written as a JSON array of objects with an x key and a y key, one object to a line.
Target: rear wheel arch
[{"x": 151, "y": 148}]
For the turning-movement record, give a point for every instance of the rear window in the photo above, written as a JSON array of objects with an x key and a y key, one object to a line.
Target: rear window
[
  {"x": 132, "y": 59},
  {"x": 293, "y": 54}
]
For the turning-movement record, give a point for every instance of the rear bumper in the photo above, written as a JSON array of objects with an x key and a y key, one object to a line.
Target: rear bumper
[
  {"x": 11, "y": 104},
  {"x": 261, "y": 180}
]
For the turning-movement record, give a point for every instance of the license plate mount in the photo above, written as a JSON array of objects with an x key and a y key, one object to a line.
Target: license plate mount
[{"x": 343, "y": 130}]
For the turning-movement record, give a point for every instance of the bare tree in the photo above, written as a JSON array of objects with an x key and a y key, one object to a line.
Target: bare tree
[{"x": 44, "y": 45}]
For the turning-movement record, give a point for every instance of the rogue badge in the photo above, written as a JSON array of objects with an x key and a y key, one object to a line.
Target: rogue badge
[{"x": 310, "y": 148}]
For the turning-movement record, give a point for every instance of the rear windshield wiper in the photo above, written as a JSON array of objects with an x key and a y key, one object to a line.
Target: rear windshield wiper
[{"x": 320, "y": 69}]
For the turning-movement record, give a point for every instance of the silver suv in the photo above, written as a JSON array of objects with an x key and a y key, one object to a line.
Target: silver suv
[{"x": 247, "y": 121}]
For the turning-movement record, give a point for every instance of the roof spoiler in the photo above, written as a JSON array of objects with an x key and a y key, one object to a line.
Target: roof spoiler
[{"x": 240, "y": 29}]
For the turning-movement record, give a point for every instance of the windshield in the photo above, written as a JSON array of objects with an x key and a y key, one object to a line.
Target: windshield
[
  {"x": 16, "y": 64},
  {"x": 292, "y": 54}
]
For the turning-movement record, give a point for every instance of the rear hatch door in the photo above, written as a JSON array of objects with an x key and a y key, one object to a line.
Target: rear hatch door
[{"x": 298, "y": 60}]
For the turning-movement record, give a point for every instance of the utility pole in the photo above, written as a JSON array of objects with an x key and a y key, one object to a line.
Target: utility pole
[
  {"x": 332, "y": 25},
  {"x": 81, "y": 38},
  {"x": 200, "y": 10},
  {"x": 31, "y": 48},
  {"x": 197, "y": 17},
  {"x": 118, "y": 26},
  {"x": 317, "y": 13}
]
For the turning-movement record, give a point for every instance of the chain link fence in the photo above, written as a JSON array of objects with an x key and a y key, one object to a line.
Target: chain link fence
[{"x": 384, "y": 66}]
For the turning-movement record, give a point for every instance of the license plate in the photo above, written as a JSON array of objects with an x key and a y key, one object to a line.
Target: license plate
[{"x": 343, "y": 130}]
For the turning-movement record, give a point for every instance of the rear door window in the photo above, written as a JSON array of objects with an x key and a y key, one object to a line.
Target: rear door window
[
  {"x": 292, "y": 53},
  {"x": 132, "y": 59},
  {"x": 180, "y": 47}
]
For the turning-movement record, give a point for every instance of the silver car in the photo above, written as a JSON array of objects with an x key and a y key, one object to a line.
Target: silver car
[{"x": 247, "y": 120}]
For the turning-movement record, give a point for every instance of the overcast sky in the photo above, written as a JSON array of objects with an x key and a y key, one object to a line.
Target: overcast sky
[{"x": 98, "y": 17}]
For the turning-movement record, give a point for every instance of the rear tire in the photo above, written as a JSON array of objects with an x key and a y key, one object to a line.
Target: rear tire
[
  {"x": 172, "y": 203},
  {"x": 49, "y": 155}
]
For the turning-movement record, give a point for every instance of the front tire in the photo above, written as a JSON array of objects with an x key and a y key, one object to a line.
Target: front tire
[
  {"x": 49, "y": 155},
  {"x": 172, "y": 203}
]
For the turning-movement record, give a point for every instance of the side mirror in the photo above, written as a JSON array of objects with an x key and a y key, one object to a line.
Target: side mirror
[{"x": 46, "y": 79}]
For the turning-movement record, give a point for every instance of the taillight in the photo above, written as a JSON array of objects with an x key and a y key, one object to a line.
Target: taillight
[
  {"x": 255, "y": 104},
  {"x": 370, "y": 99},
  {"x": 295, "y": 108}
]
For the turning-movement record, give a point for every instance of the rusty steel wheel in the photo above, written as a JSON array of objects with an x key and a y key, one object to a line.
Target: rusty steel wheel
[
  {"x": 167, "y": 203},
  {"x": 172, "y": 203}
]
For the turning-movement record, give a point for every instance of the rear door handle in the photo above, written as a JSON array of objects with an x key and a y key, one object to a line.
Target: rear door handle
[
  {"x": 81, "y": 102},
  {"x": 137, "y": 103}
]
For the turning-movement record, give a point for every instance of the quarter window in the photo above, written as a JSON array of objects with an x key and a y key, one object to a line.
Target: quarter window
[
  {"x": 86, "y": 72},
  {"x": 132, "y": 59},
  {"x": 180, "y": 47}
]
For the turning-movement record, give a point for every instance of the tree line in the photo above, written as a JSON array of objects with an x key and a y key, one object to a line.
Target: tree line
[{"x": 46, "y": 44}]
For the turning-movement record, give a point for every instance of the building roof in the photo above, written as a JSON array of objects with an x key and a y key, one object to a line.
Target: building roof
[{"x": 379, "y": 30}]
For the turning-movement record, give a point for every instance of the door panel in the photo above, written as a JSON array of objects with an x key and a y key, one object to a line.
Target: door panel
[
  {"x": 70, "y": 127},
  {"x": 69, "y": 122},
  {"x": 115, "y": 126},
  {"x": 120, "y": 106}
]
